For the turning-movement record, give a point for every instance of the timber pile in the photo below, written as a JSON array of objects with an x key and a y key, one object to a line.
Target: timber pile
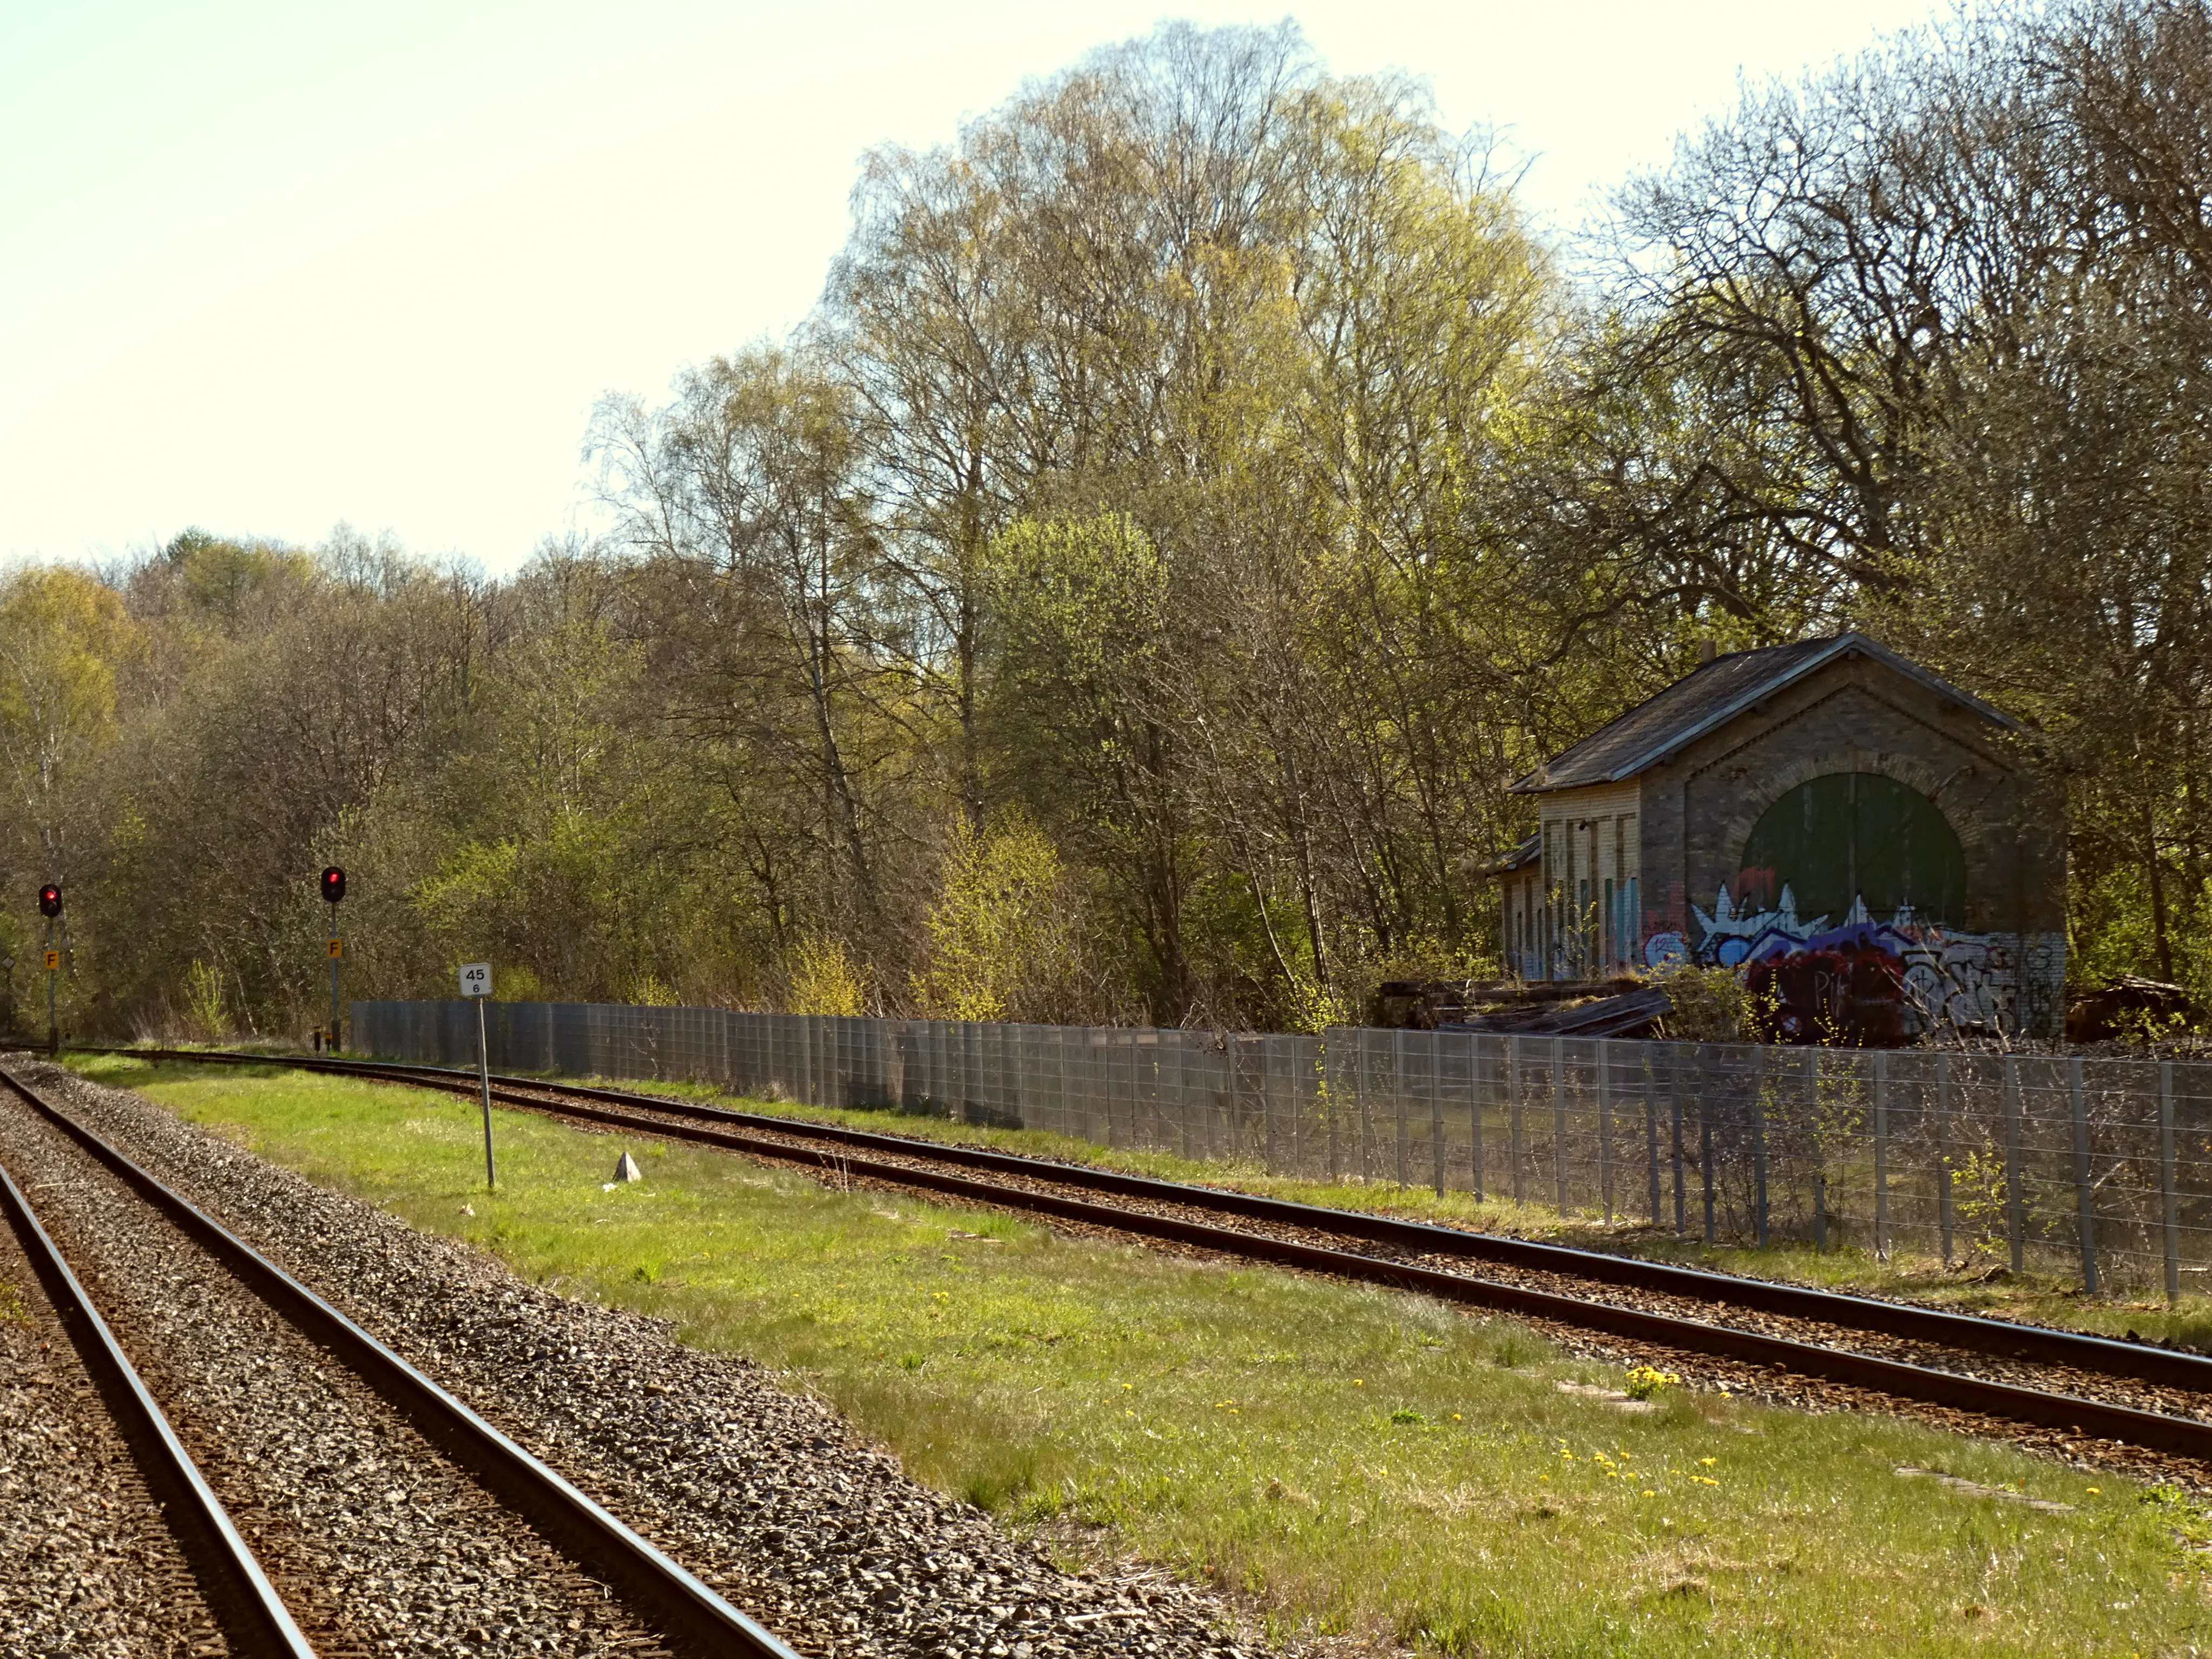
[
  {"x": 1591, "y": 1008},
  {"x": 2129, "y": 1007}
]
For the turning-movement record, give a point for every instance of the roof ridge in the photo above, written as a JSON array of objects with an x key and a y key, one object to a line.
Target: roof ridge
[{"x": 1643, "y": 736}]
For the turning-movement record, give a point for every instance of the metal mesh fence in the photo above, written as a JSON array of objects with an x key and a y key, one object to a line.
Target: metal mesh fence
[{"x": 2101, "y": 1168}]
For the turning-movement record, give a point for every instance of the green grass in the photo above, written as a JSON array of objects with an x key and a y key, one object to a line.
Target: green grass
[
  {"x": 1352, "y": 1460},
  {"x": 1978, "y": 1285}
]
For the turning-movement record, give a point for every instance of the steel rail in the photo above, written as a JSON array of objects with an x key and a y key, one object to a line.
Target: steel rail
[
  {"x": 2038, "y": 1407},
  {"x": 687, "y": 1610},
  {"x": 2001, "y": 1339},
  {"x": 252, "y": 1616}
]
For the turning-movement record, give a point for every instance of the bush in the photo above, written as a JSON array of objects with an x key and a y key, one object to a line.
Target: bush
[{"x": 1709, "y": 1004}]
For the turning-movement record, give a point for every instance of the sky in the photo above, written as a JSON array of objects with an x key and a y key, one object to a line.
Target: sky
[{"x": 266, "y": 268}]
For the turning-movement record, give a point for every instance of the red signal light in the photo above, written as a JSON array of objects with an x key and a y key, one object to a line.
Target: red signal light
[
  {"x": 50, "y": 900},
  {"x": 333, "y": 884}
]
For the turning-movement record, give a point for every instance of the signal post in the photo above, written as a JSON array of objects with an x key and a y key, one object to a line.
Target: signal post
[
  {"x": 50, "y": 907},
  {"x": 334, "y": 890}
]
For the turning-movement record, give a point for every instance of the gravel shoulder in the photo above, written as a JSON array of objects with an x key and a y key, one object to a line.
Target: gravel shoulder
[{"x": 765, "y": 1493}]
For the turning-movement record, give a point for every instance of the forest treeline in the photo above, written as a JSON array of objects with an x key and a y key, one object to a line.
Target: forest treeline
[{"x": 1198, "y": 493}]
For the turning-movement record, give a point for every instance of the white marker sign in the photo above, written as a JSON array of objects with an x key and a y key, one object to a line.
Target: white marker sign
[{"x": 476, "y": 979}]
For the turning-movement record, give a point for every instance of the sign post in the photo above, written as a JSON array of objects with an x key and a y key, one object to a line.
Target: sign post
[{"x": 476, "y": 982}]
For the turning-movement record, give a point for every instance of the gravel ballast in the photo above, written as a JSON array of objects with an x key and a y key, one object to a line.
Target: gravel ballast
[
  {"x": 765, "y": 1493},
  {"x": 87, "y": 1565},
  {"x": 377, "y": 1544}
]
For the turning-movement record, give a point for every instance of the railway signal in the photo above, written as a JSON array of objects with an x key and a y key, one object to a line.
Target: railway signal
[
  {"x": 333, "y": 890},
  {"x": 50, "y": 907}
]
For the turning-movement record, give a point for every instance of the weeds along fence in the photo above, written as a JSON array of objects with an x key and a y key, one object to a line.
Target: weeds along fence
[{"x": 2094, "y": 1168}]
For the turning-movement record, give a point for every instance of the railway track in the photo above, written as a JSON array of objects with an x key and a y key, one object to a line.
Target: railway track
[
  {"x": 626, "y": 1595},
  {"x": 230, "y": 1581},
  {"x": 2065, "y": 1382}
]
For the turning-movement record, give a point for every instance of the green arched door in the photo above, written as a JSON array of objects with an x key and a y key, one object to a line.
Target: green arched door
[{"x": 1860, "y": 835}]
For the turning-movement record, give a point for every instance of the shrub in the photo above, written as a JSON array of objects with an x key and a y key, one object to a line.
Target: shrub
[{"x": 1709, "y": 1005}]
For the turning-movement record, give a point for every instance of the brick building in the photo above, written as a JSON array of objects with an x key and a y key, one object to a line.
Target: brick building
[{"x": 1831, "y": 818}]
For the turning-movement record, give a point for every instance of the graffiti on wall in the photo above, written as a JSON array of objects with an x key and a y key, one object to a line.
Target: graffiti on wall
[{"x": 1876, "y": 978}]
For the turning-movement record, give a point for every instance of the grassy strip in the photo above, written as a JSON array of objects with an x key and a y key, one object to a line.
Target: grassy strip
[
  {"x": 1354, "y": 1460},
  {"x": 1979, "y": 1284}
]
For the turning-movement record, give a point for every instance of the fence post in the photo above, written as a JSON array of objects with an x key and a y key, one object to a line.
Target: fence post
[
  {"x": 1881, "y": 1155},
  {"x": 1134, "y": 1095},
  {"x": 2014, "y": 1228},
  {"x": 1650, "y": 1132},
  {"x": 2085, "y": 1193},
  {"x": 1474, "y": 1112},
  {"x": 1943, "y": 1151},
  {"x": 1559, "y": 1121},
  {"x": 1674, "y": 1100},
  {"x": 1332, "y": 1080},
  {"x": 1437, "y": 1109},
  {"x": 1705, "y": 1138},
  {"x": 1819, "y": 1152},
  {"x": 1301, "y": 1089},
  {"x": 1513, "y": 1108},
  {"x": 1605, "y": 1130},
  {"x": 1758, "y": 1141},
  {"x": 2166, "y": 1184},
  {"x": 1223, "y": 1142},
  {"x": 1365, "y": 1090},
  {"x": 1398, "y": 1099},
  {"x": 1182, "y": 1118}
]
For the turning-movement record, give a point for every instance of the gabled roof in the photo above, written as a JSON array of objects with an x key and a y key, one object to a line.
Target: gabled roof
[{"x": 1715, "y": 694}]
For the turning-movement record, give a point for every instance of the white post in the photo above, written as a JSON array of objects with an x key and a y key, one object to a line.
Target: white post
[
  {"x": 475, "y": 984},
  {"x": 2166, "y": 1194},
  {"x": 483, "y": 1078}
]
